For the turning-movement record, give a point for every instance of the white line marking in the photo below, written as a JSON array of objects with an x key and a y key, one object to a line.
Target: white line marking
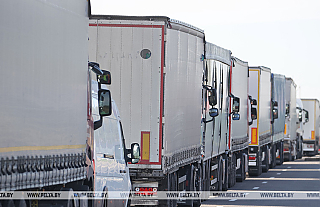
[
  {"x": 289, "y": 167},
  {"x": 232, "y": 200},
  {"x": 264, "y": 182},
  {"x": 278, "y": 173},
  {"x": 255, "y": 188}
]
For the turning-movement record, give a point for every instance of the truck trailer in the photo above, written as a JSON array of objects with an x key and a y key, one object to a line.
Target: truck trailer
[
  {"x": 260, "y": 131},
  {"x": 219, "y": 163},
  {"x": 56, "y": 113},
  {"x": 239, "y": 129},
  {"x": 311, "y": 128},
  {"x": 290, "y": 141},
  {"x": 278, "y": 118},
  {"x": 43, "y": 110},
  {"x": 157, "y": 67},
  {"x": 303, "y": 118}
]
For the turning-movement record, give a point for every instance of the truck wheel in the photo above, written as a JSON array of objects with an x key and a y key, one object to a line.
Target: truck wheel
[
  {"x": 273, "y": 157},
  {"x": 8, "y": 203},
  {"x": 70, "y": 201},
  {"x": 172, "y": 183},
  {"x": 233, "y": 171},
  {"x": 265, "y": 164},
  {"x": 20, "y": 203},
  {"x": 220, "y": 181},
  {"x": 241, "y": 171},
  {"x": 281, "y": 154}
]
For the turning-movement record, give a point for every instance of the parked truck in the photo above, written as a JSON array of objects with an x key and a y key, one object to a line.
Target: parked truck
[
  {"x": 278, "y": 118},
  {"x": 55, "y": 113},
  {"x": 303, "y": 115},
  {"x": 157, "y": 66},
  {"x": 260, "y": 131},
  {"x": 290, "y": 141},
  {"x": 239, "y": 129},
  {"x": 311, "y": 128},
  {"x": 219, "y": 161}
]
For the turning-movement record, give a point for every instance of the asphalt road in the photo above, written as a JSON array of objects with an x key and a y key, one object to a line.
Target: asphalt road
[{"x": 299, "y": 176}]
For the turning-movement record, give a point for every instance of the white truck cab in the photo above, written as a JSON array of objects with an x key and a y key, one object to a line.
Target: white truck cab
[{"x": 111, "y": 172}]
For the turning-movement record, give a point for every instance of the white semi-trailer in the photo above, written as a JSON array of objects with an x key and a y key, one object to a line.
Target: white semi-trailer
[
  {"x": 219, "y": 163},
  {"x": 311, "y": 128},
  {"x": 239, "y": 136},
  {"x": 56, "y": 116},
  {"x": 278, "y": 118},
  {"x": 157, "y": 66},
  {"x": 44, "y": 64},
  {"x": 303, "y": 115},
  {"x": 290, "y": 140},
  {"x": 260, "y": 131}
]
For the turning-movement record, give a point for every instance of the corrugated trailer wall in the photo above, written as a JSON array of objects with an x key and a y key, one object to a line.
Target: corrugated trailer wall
[
  {"x": 290, "y": 130},
  {"x": 136, "y": 80},
  {"x": 278, "y": 94},
  {"x": 218, "y": 62},
  {"x": 239, "y": 88},
  {"x": 43, "y": 107},
  {"x": 156, "y": 66},
  {"x": 264, "y": 107},
  {"x": 182, "y": 92}
]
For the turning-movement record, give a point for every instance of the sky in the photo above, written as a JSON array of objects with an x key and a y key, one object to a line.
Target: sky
[{"x": 283, "y": 35}]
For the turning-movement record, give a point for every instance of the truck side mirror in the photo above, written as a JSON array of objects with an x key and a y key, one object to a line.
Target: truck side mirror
[
  {"x": 254, "y": 102},
  {"x": 213, "y": 112},
  {"x": 300, "y": 115},
  {"x": 287, "y": 110},
  {"x": 235, "y": 117},
  {"x": 306, "y": 116},
  {"x": 135, "y": 153},
  {"x": 236, "y": 105},
  {"x": 104, "y": 99},
  {"x": 275, "y": 104},
  {"x": 275, "y": 113},
  {"x": 274, "y": 110},
  {"x": 212, "y": 94},
  {"x": 253, "y": 113},
  {"x": 105, "y": 78}
]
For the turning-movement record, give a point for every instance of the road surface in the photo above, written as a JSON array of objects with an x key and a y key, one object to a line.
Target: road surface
[{"x": 282, "y": 182}]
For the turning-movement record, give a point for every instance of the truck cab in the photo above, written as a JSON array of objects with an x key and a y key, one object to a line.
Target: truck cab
[{"x": 109, "y": 154}]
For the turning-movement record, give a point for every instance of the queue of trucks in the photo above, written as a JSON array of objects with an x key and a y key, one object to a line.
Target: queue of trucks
[{"x": 195, "y": 117}]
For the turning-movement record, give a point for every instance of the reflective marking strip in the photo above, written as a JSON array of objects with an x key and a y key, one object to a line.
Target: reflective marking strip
[
  {"x": 214, "y": 167},
  {"x": 312, "y": 135},
  {"x": 145, "y": 136},
  {"x": 285, "y": 129},
  {"x": 183, "y": 178},
  {"x": 238, "y": 163},
  {"x": 213, "y": 181},
  {"x": 252, "y": 163},
  {"x": 254, "y": 139},
  {"x": 35, "y": 148}
]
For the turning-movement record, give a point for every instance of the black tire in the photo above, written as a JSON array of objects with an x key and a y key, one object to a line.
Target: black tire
[
  {"x": 281, "y": 153},
  {"x": 242, "y": 169},
  {"x": 172, "y": 183},
  {"x": 220, "y": 173},
  {"x": 273, "y": 157},
  {"x": 232, "y": 174},
  {"x": 8, "y": 203},
  {"x": 265, "y": 166},
  {"x": 225, "y": 185}
]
